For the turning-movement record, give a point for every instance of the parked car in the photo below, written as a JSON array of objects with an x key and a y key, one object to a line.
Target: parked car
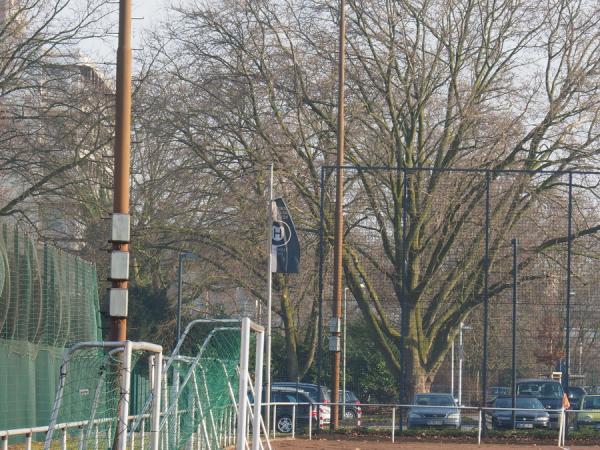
[
  {"x": 319, "y": 394},
  {"x": 495, "y": 392},
  {"x": 498, "y": 391},
  {"x": 434, "y": 410},
  {"x": 353, "y": 409},
  {"x": 590, "y": 414},
  {"x": 576, "y": 394},
  {"x": 306, "y": 409},
  {"x": 532, "y": 415},
  {"x": 549, "y": 392}
]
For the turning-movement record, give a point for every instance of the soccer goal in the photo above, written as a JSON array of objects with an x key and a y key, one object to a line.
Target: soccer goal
[
  {"x": 93, "y": 401},
  {"x": 206, "y": 381}
]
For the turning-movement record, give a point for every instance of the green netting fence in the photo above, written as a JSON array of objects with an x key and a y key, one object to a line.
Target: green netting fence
[{"x": 48, "y": 300}]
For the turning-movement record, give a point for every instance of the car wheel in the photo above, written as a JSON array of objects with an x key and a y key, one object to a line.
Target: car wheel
[
  {"x": 350, "y": 414},
  {"x": 284, "y": 424}
]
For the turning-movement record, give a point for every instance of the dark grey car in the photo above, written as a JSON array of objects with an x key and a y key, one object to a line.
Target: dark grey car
[
  {"x": 319, "y": 394},
  {"x": 434, "y": 410},
  {"x": 306, "y": 410},
  {"x": 532, "y": 414},
  {"x": 549, "y": 392}
]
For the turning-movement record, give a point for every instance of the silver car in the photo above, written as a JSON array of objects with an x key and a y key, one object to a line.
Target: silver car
[{"x": 434, "y": 410}]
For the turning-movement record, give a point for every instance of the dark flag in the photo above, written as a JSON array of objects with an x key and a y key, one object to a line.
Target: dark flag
[{"x": 285, "y": 249}]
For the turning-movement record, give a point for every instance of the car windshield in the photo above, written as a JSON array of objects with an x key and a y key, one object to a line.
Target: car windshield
[
  {"x": 350, "y": 397},
  {"x": 311, "y": 389},
  {"x": 525, "y": 403},
  {"x": 290, "y": 397},
  {"x": 544, "y": 389},
  {"x": 434, "y": 400},
  {"x": 591, "y": 403}
]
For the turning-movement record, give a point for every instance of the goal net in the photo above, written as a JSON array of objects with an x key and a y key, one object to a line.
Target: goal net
[
  {"x": 92, "y": 406},
  {"x": 206, "y": 386}
]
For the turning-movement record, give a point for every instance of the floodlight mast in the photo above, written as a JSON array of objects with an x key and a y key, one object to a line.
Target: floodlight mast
[
  {"x": 335, "y": 328},
  {"x": 122, "y": 159}
]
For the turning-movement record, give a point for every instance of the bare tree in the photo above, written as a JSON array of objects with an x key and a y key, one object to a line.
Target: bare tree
[
  {"x": 440, "y": 85},
  {"x": 55, "y": 106}
]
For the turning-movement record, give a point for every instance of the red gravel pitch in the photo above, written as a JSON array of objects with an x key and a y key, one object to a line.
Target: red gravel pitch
[{"x": 326, "y": 444}]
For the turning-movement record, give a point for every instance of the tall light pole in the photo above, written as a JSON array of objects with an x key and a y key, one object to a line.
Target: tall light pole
[
  {"x": 569, "y": 293},
  {"x": 118, "y": 294},
  {"x": 334, "y": 326},
  {"x": 182, "y": 256},
  {"x": 461, "y": 356}
]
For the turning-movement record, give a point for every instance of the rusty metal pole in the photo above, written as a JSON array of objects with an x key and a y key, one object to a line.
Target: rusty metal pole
[
  {"x": 335, "y": 324},
  {"x": 122, "y": 145}
]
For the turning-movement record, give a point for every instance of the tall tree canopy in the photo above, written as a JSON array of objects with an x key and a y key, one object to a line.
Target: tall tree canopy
[{"x": 431, "y": 84}]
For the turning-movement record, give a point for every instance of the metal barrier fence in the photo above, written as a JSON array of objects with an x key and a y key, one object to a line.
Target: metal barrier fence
[
  {"x": 388, "y": 418},
  {"x": 392, "y": 420}
]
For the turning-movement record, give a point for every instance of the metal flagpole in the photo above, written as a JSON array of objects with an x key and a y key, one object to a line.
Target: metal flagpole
[
  {"x": 452, "y": 369},
  {"x": 514, "y": 332},
  {"x": 269, "y": 298}
]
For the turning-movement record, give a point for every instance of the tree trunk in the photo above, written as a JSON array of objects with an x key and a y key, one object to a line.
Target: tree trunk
[
  {"x": 414, "y": 378},
  {"x": 291, "y": 334}
]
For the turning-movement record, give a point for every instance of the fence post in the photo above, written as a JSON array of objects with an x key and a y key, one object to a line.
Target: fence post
[
  {"x": 294, "y": 421},
  {"x": 132, "y": 439},
  {"x": 310, "y": 425},
  {"x": 81, "y": 435},
  {"x": 393, "y": 424},
  {"x": 479, "y": 427},
  {"x": 560, "y": 427},
  {"x": 274, "y": 420}
]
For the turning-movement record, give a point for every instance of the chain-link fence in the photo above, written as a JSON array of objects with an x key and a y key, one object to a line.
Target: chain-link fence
[
  {"x": 429, "y": 249},
  {"x": 48, "y": 299}
]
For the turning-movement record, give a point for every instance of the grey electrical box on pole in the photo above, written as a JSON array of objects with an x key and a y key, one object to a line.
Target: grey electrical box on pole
[
  {"x": 118, "y": 298},
  {"x": 120, "y": 228}
]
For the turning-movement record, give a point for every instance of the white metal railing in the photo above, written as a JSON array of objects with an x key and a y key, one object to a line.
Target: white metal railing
[
  {"x": 477, "y": 411},
  {"x": 67, "y": 437},
  {"x": 227, "y": 429}
]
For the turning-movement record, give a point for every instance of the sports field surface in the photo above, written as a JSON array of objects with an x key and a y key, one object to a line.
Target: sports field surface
[{"x": 326, "y": 444}]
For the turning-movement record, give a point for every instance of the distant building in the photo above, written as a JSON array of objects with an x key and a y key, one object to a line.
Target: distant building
[{"x": 57, "y": 110}]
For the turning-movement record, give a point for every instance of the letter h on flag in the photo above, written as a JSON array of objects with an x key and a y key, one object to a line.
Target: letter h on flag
[{"x": 285, "y": 248}]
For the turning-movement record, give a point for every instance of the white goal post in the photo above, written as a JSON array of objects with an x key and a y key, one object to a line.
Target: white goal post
[{"x": 245, "y": 387}]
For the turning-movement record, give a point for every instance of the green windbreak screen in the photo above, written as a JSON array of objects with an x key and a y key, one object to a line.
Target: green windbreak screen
[{"x": 48, "y": 300}]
